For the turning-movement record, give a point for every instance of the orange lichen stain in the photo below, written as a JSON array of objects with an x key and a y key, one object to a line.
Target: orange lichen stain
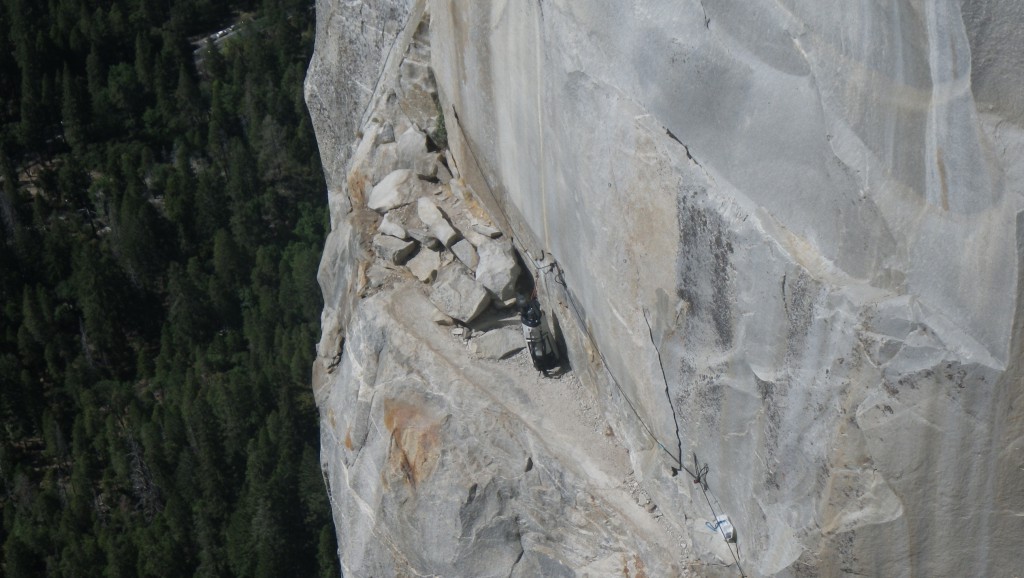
[
  {"x": 348, "y": 438},
  {"x": 638, "y": 567},
  {"x": 357, "y": 185},
  {"x": 469, "y": 200},
  {"x": 361, "y": 279},
  {"x": 415, "y": 441}
]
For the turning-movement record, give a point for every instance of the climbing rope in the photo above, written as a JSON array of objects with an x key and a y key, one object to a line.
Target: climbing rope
[
  {"x": 701, "y": 481},
  {"x": 699, "y": 472}
]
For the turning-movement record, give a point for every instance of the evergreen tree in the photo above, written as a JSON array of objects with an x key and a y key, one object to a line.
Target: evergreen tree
[
  {"x": 73, "y": 119},
  {"x": 8, "y": 197},
  {"x": 30, "y": 129},
  {"x": 143, "y": 58}
]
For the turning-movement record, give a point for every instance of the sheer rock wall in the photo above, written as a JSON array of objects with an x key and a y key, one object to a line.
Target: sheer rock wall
[{"x": 782, "y": 236}]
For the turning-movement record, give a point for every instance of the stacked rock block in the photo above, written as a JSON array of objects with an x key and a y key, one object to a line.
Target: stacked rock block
[{"x": 425, "y": 221}]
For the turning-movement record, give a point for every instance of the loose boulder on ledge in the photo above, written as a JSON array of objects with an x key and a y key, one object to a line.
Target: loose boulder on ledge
[
  {"x": 498, "y": 344},
  {"x": 391, "y": 249},
  {"x": 412, "y": 153},
  {"x": 400, "y": 187},
  {"x": 432, "y": 217},
  {"x": 458, "y": 295},
  {"x": 466, "y": 253},
  {"x": 424, "y": 264},
  {"x": 497, "y": 269}
]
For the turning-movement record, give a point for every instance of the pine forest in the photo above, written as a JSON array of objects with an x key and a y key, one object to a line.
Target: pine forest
[{"x": 162, "y": 212}]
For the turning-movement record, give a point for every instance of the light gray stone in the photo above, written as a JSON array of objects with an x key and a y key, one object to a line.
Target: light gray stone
[
  {"x": 358, "y": 181},
  {"x": 419, "y": 94},
  {"x": 486, "y": 230},
  {"x": 466, "y": 253},
  {"x": 390, "y": 226},
  {"x": 412, "y": 153},
  {"x": 459, "y": 190},
  {"x": 408, "y": 217},
  {"x": 425, "y": 238},
  {"x": 376, "y": 275},
  {"x": 416, "y": 84},
  {"x": 444, "y": 176},
  {"x": 391, "y": 249},
  {"x": 386, "y": 134},
  {"x": 424, "y": 264},
  {"x": 336, "y": 79},
  {"x": 474, "y": 238},
  {"x": 498, "y": 343},
  {"x": 497, "y": 269},
  {"x": 384, "y": 161},
  {"x": 458, "y": 295},
  {"x": 434, "y": 218},
  {"x": 440, "y": 318},
  {"x": 450, "y": 163},
  {"x": 401, "y": 187}
]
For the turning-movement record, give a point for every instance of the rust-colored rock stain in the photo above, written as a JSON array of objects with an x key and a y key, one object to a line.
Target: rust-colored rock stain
[
  {"x": 357, "y": 185},
  {"x": 639, "y": 569},
  {"x": 415, "y": 441}
]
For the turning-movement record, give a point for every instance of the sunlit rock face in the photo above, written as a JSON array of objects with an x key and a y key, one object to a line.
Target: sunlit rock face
[{"x": 790, "y": 233}]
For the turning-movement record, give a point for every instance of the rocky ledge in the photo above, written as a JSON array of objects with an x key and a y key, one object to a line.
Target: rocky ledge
[
  {"x": 445, "y": 452},
  {"x": 781, "y": 245}
]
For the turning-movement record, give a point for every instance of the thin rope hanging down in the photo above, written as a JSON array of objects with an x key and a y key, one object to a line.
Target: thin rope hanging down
[{"x": 699, "y": 472}]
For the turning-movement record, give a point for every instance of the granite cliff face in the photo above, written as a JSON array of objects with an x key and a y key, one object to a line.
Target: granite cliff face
[{"x": 782, "y": 239}]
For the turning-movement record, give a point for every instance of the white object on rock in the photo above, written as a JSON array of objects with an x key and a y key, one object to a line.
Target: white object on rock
[
  {"x": 458, "y": 295},
  {"x": 391, "y": 249},
  {"x": 722, "y": 526},
  {"x": 466, "y": 253},
  {"x": 424, "y": 265},
  {"x": 498, "y": 344},
  {"x": 433, "y": 218},
  {"x": 497, "y": 269},
  {"x": 399, "y": 188}
]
